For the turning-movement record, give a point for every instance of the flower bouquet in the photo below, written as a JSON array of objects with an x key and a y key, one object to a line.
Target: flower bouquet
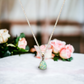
[
  {"x": 56, "y": 50},
  {"x": 8, "y": 47}
]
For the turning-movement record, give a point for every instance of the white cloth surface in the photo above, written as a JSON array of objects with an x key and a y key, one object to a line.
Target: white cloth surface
[{"x": 24, "y": 70}]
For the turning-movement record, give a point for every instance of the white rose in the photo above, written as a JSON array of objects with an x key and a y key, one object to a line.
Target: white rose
[
  {"x": 4, "y": 35},
  {"x": 48, "y": 53}
]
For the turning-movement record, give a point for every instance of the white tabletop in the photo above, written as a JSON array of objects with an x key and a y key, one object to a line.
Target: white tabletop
[{"x": 24, "y": 70}]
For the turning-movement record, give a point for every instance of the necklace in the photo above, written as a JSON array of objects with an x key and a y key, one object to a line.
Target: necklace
[{"x": 43, "y": 64}]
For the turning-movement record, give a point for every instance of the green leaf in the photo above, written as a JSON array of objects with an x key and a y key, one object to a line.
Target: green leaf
[
  {"x": 27, "y": 47},
  {"x": 63, "y": 59},
  {"x": 71, "y": 58},
  {"x": 56, "y": 54},
  {"x": 22, "y": 35},
  {"x": 14, "y": 52},
  {"x": 6, "y": 48},
  {"x": 11, "y": 45},
  {"x": 56, "y": 58},
  {"x": 22, "y": 50},
  {"x": 67, "y": 59},
  {"x": 17, "y": 39},
  {"x": 7, "y": 53}
]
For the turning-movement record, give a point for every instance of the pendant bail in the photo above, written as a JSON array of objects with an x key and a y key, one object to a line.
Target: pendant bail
[{"x": 42, "y": 57}]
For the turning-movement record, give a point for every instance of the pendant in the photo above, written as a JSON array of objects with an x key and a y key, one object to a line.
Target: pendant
[{"x": 43, "y": 64}]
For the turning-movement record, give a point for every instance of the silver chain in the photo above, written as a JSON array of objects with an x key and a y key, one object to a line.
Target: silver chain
[{"x": 33, "y": 32}]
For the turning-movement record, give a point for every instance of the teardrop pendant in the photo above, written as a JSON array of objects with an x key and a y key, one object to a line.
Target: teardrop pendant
[{"x": 43, "y": 64}]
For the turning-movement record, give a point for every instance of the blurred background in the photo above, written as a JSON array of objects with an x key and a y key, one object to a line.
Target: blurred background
[{"x": 42, "y": 15}]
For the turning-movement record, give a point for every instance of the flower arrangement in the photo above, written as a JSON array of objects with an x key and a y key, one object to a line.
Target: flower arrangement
[
  {"x": 15, "y": 46},
  {"x": 56, "y": 50}
]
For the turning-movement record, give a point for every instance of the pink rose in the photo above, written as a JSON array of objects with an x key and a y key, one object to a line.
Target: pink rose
[
  {"x": 48, "y": 53},
  {"x": 65, "y": 53},
  {"x": 22, "y": 43},
  {"x": 57, "y": 45},
  {"x": 70, "y": 47}
]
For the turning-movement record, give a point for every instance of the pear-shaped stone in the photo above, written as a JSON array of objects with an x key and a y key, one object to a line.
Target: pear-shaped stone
[{"x": 43, "y": 65}]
